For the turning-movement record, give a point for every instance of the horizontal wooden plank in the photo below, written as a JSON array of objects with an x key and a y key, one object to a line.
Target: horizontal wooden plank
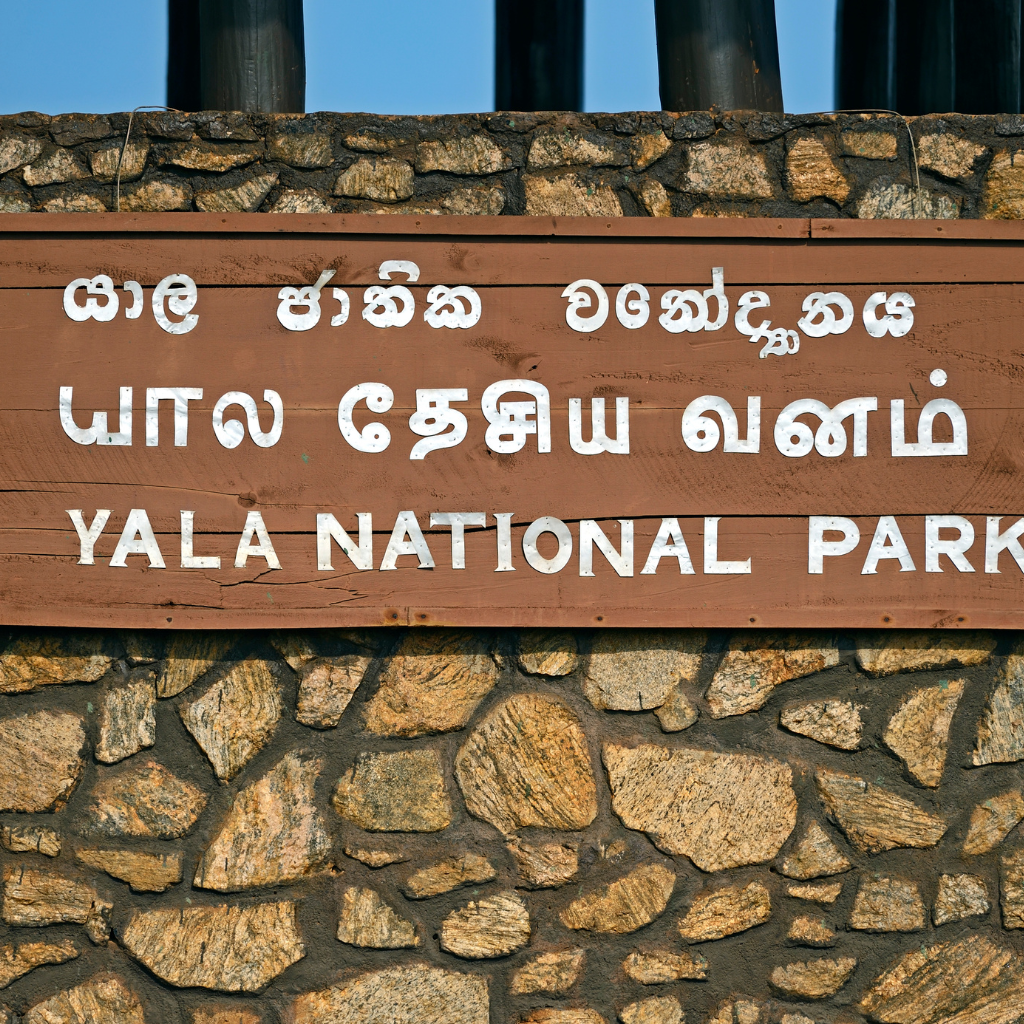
[{"x": 933, "y": 230}]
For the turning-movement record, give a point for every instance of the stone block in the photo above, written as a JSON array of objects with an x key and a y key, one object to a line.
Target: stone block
[
  {"x": 815, "y": 979},
  {"x": 31, "y": 661},
  {"x": 326, "y": 687},
  {"x": 274, "y": 833},
  {"x": 720, "y": 810},
  {"x": 71, "y": 129},
  {"x": 552, "y": 1015},
  {"x": 918, "y": 733},
  {"x": 144, "y": 872},
  {"x": 190, "y": 655},
  {"x": 732, "y": 169},
  {"x": 157, "y": 196},
  {"x": 40, "y": 760},
  {"x": 433, "y": 683},
  {"x": 367, "y": 921},
  {"x": 30, "y": 839},
  {"x": 659, "y": 967},
  {"x": 654, "y": 197},
  {"x": 810, "y": 931},
  {"x": 104, "y": 162},
  {"x": 33, "y": 899},
  {"x": 888, "y": 200},
  {"x": 127, "y": 719},
  {"x": 818, "y": 892},
  {"x": 528, "y": 764},
  {"x": 657, "y": 1010},
  {"x": 383, "y": 179},
  {"x": 145, "y": 801},
  {"x": 729, "y": 910},
  {"x": 487, "y": 928},
  {"x": 303, "y": 200},
  {"x": 17, "y": 149},
  {"x": 375, "y": 858},
  {"x": 14, "y": 203},
  {"x": 58, "y": 166},
  {"x": 546, "y": 652},
  {"x": 948, "y": 155},
  {"x": 17, "y": 961},
  {"x": 992, "y": 821},
  {"x": 887, "y": 905},
  {"x": 398, "y": 995},
  {"x": 647, "y": 148},
  {"x": 811, "y": 173},
  {"x": 1001, "y": 729},
  {"x": 1003, "y": 192},
  {"x": 402, "y": 791},
  {"x": 472, "y": 154},
  {"x": 75, "y": 202},
  {"x": 307, "y": 150},
  {"x": 1011, "y": 888},
  {"x": 448, "y": 875},
  {"x": 677, "y": 713},
  {"x": 871, "y": 145},
  {"x": 570, "y": 148},
  {"x": 637, "y": 670},
  {"x": 546, "y": 865},
  {"x": 886, "y": 653},
  {"x": 225, "y": 948},
  {"x": 835, "y": 722},
  {"x": 243, "y": 198},
  {"x": 569, "y": 195},
  {"x": 104, "y": 999},
  {"x": 553, "y": 973},
  {"x": 625, "y": 905},
  {"x": 960, "y": 896},
  {"x": 815, "y": 856},
  {"x": 211, "y": 156}
]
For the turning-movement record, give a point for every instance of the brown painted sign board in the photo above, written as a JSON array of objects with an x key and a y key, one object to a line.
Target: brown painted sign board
[{"x": 225, "y": 421}]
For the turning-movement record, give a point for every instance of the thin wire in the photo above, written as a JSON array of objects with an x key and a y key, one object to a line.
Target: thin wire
[{"x": 127, "y": 136}]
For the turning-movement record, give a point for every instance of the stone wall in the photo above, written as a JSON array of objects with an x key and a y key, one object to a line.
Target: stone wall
[
  {"x": 446, "y": 827},
  {"x": 634, "y": 164}
]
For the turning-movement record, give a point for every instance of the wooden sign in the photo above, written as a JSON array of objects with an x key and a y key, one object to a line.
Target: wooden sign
[{"x": 263, "y": 421}]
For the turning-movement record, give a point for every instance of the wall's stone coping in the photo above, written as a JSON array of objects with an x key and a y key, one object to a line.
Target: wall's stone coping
[{"x": 658, "y": 164}]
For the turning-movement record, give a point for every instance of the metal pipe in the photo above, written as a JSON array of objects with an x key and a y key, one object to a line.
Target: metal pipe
[
  {"x": 253, "y": 56},
  {"x": 865, "y": 45},
  {"x": 183, "y": 91},
  {"x": 538, "y": 54},
  {"x": 988, "y": 34},
  {"x": 925, "y": 61},
  {"x": 722, "y": 53}
]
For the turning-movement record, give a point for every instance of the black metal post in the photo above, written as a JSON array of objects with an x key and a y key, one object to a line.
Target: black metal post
[
  {"x": 538, "y": 54},
  {"x": 721, "y": 53},
  {"x": 865, "y": 43},
  {"x": 988, "y": 56},
  {"x": 253, "y": 56},
  {"x": 183, "y": 91},
  {"x": 925, "y": 61}
]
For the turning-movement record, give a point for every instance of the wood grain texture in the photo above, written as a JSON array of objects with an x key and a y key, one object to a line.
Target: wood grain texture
[{"x": 969, "y": 303}]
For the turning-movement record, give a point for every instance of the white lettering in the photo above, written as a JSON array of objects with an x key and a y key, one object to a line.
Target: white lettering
[
  {"x": 453, "y": 307},
  {"x": 887, "y": 542},
  {"x": 996, "y": 542},
  {"x": 88, "y": 536},
  {"x": 407, "y": 539},
  {"x": 818, "y": 549},
  {"x": 580, "y": 299},
  {"x": 137, "y": 526},
  {"x": 254, "y": 526},
  {"x": 328, "y": 528},
  {"x": 900, "y": 320},
  {"x": 99, "y": 285},
  {"x": 180, "y": 293},
  {"x": 308, "y": 297},
  {"x": 558, "y": 529},
  {"x": 504, "y": 539},
  {"x": 374, "y": 437},
  {"x": 925, "y": 425},
  {"x": 591, "y": 534},
  {"x": 181, "y": 397},
  {"x": 599, "y": 442},
  {"x": 668, "y": 544},
  {"x": 231, "y": 432},
  {"x": 433, "y": 417},
  {"x": 509, "y": 419},
  {"x": 935, "y": 546},
  {"x": 97, "y": 433},
  {"x": 189, "y": 559},
  {"x": 458, "y": 521},
  {"x": 701, "y": 433},
  {"x": 712, "y": 566}
]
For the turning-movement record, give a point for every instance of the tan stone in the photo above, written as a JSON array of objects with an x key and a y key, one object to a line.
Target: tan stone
[
  {"x": 490, "y": 927},
  {"x": 815, "y": 979},
  {"x": 811, "y": 172},
  {"x": 835, "y": 722},
  {"x": 716, "y": 913},
  {"x": 659, "y": 967},
  {"x": 1003, "y": 193},
  {"x": 33, "y": 899},
  {"x": 383, "y": 179},
  {"x": 32, "y": 661},
  {"x": 229, "y": 949},
  {"x": 16, "y": 962},
  {"x": 447, "y": 875},
  {"x": 146, "y": 800},
  {"x": 156, "y": 196},
  {"x": 30, "y": 839},
  {"x": 127, "y": 719},
  {"x": 720, "y": 810},
  {"x": 992, "y": 821},
  {"x": 728, "y": 170},
  {"x": 104, "y": 999},
  {"x": 815, "y": 856},
  {"x": 569, "y": 195},
  {"x": 40, "y": 760},
  {"x": 658, "y": 1010},
  {"x": 551, "y": 1015},
  {"x": 367, "y": 921},
  {"x": 870, "y": 145},
  {"x": 371, "y": 141},
  {"x": 795, "y": 1018},
  {"x": 553, "y": 973},
  {"x": 820, "y": 892},
  {"x": 211, "y": 156},
  {"x": 75, "y": 202},
  {"x": 528, "y": 764},
  {"x": 636, "y": 670},
  {"x": 544, "y": 866},
  {"x": 918, "y": 732},
  {"x": 887, "y": 905},
  {"x": 960, "y": 896},
  {"x": 410, "y": 994},
  {"x": 16, "y": 150},
  {"x": 971, "y": 981},
  {"x": 273, "y": 834},
  {"x": 645, "y": 149},
  {"x": 884, "y": 200},
  {"x": 235, "y": 718},
  {"x": 876, "y": 819},
  {"x": 212, "y": 1015},
  {"x": 567, "y": 148},
  {"x": 756, "y": 663},
  {"x": 472, "y": 154},
  {"x": 104, "y": 162},
  {"x": 1001, "y": 730},
  {"x": 141, "y": 648},
  {"x": 887, "y": 652},
  {"x": 12, "y": 203},
  {"x": 243, "y": 198},
  {"x": 948, "y": 155},
  {"x": 58, "y": 166},
  {"x": 811, "y": 931},
  {"x": 302, "y": 200},
  {"x": 297, "y": 649},
  {"x": 624, "y": 906},
  {"x": 433, "y": 683},
  {"x": 402, "y": 791},
  {"x": 1011, "y": 888},
  {"x": 189, "y": 656},
  {"x": 144, "y": 872},
  {"x": 677, "y": 713},
  {"x": 655, "y": 198},
  {"x": 742, "y": 1011},
  {"x": 307, "y": 150},
  {"x": 547, "y": 652},
  {"x": 472, "y": 202},
  {"x": 375, "y": 858}
]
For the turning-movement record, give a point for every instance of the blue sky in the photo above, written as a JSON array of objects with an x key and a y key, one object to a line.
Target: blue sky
[{"x": 421, "y": 58}]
